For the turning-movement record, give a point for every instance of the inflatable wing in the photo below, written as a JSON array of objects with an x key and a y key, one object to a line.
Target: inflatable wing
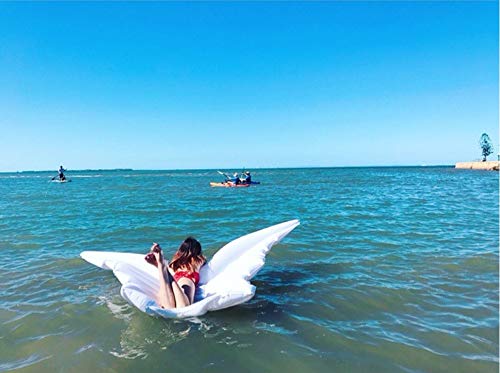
[{"x": 224, "y": 280}]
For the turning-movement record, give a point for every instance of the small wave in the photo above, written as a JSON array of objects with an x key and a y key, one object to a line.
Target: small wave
[
  {"x": 118, "y": 310},
  {"x": 22, "y": 176},
  {"x": 130, "y": 354},
  {"x": 273, "y": 328},
  {"x": 85, "y": 348},
  {"x": 85, "y": 176},
  {"x": 23, "y": 363}
]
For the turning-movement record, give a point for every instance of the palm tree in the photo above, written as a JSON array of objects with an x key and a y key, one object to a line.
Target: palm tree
[{"x": 485, "y": 144}]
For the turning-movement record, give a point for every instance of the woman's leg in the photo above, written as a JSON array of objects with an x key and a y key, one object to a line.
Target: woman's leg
[
  {"x": 166, "y": 296},
  {"x": 181, "y": 290},
  {"x": 171, "y": 295}
]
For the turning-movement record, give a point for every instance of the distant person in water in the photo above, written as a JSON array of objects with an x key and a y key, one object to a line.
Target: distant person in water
[
  {"x": 61, "y": 173},
  {"x": 248, "y": 177},
  {"x": 179, "y": 278}
]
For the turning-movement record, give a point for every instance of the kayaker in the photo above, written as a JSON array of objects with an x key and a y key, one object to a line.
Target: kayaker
[
  {"x": 236, "y": 179},
  {"x": 248, "y": 177}
]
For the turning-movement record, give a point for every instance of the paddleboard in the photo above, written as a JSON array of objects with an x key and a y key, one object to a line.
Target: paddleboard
[{"x": 224, "y": 280}]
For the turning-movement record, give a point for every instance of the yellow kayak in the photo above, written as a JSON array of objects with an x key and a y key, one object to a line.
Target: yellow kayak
[{"x": 229, "y": 185}]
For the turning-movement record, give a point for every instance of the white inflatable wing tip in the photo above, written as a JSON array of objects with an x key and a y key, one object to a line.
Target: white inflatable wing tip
[
  {"x": 287, "y": 228},
  {"x": 288, "y": 223},
  {"x": 292, "y": 224},
  {"x": 280, "y": 229},
  {"x": 85, "y": 254},
  {"x": 90, "y": 257}
]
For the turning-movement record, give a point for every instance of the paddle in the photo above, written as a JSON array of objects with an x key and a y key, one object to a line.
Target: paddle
[
  {"x": 55, "y": 177},
  {"x": 226, "y": 176}
]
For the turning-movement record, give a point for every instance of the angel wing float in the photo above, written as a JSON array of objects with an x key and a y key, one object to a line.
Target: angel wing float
[{"x": 224, "y": 280}]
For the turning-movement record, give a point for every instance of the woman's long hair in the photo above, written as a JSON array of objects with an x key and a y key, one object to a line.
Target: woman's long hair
[{"x": 188, "y": 256}]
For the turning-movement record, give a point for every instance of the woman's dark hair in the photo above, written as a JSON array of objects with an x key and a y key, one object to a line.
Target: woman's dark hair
[{"x": 188, "y": 256}]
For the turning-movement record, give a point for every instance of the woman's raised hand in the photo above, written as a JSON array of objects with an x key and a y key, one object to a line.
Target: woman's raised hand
[
  {"x": 155, "y": 248},
  {"x": 158, "y": 255}
]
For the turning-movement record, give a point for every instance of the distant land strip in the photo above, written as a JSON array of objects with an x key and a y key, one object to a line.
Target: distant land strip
[{"x": 488, "y": 165}]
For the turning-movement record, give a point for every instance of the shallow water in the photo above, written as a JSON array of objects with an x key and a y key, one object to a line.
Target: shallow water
[{"x": 391, "y": 270}]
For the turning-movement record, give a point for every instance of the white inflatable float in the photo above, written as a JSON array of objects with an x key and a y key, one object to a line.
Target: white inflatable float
[{"x": 224, "y": 280}]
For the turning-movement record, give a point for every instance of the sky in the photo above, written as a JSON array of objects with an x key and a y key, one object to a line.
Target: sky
[{"x": 199, "y": 85}]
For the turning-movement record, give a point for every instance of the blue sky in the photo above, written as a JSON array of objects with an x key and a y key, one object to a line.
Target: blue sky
[{"x": 224, "y": 85}]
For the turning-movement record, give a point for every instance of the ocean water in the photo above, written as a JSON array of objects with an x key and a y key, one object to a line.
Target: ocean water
[{"x": 391, "y": 270}]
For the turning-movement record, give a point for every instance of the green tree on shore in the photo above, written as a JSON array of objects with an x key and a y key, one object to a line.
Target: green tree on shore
[{"x": 485, "y": 144}]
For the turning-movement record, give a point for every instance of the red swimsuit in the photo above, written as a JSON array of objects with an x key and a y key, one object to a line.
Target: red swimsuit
[{"x": 193, "y": 276}]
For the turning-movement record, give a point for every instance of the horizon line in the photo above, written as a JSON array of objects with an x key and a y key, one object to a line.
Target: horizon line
[{"x": 230, "y": 168}]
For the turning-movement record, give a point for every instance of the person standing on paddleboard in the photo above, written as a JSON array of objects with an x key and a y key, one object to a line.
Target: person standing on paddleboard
[
  {"x": 178, "y": 279},
  {"x": 61, "y": 173}
]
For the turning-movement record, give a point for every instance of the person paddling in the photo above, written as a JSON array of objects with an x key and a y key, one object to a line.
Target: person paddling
[
  {"x": 248, "y": 177},
  {"x": 61, "y": 173},
  {"x": 236, "y": 179}
]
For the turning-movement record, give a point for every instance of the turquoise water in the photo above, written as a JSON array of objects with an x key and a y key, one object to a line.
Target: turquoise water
[{"x": 391, "y": 270}]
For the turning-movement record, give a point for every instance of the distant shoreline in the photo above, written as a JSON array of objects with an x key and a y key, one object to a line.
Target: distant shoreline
[
  {"x": 227, "y": 168},
  {"x": 479, "y": 165}
]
